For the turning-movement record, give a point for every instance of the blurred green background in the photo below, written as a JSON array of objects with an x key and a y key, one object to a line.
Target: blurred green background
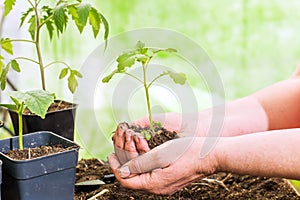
[{"x": 252, "y": 43}]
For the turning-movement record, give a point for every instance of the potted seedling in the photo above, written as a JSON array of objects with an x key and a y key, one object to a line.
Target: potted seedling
[
  {"x": 42, "y": 15},
  {"x": 38, "y": 165},
  {"x": 143, "y": 55}
]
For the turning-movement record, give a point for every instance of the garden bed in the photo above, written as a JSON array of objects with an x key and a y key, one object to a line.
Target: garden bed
[{"x": 216, "y": 186}]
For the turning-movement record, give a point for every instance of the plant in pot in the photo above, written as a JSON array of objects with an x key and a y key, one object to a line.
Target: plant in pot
[
  {"x": 41, "y": 15},
  {"x": 39, "y": 165}
]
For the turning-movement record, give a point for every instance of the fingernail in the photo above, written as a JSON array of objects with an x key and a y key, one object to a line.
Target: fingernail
[{"x": 124, "y": 172}]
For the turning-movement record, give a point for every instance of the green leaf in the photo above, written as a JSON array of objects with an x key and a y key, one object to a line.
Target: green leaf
[
  {"x": 6, "y": 45},
  {"x": 125, "y": 60},
  {"x": 32, "y": 26},
  {"x": 50, "y": 28},
  {"x": 37, "y": 101},
  {"x": 1, "y": 64},
  {"x": 146, "y": 134},
  {"x": 16, "y": 101},
  {"x": 24, "y": 15},
  {"x": 60, "y": 18},
  {"x": 108, "y": 77},
  {"x": 77, "y": 73},
  {"x": 139, "y": 45},
  {"x": 9, "y": 106},
  {"x": 15, "y": 66},
  {"x": 106, "y": 28},
  {"x": 3, "y": 76},
  {"x": 72, "y": 82},
  {"x": 178, "y": 78},
  {"x": 95, "y": 21},
  {"x": 83, "y": 11},
  {"x": 63, "y": 73},
  {"x": 8, "y": 6},
  {"x": 72, "y": 10}
]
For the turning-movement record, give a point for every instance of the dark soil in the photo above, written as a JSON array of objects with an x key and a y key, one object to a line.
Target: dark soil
[
  {"x": 216, "y": 186},
  {"x": 161, "y": 135},
  {"x": 57, "y": 105},
  {"x": 35, "y": 152}
]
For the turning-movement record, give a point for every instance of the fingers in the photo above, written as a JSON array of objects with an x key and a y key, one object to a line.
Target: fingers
[
  {"x": 129, "y": 147},
  {"x": 119, "y": 142},
  {"x": 141, "y": 143},
  {"x": 159, "y": 157},
  {"x": 128, "y": 144}
]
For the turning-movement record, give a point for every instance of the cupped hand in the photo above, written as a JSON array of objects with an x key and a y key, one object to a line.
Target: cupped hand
[
  {"x": 129, "y": 144},
  {"x": 166, "y": 168}
]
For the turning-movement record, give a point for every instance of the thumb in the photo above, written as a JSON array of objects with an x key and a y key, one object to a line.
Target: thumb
[{"x": 159, "y": 157}]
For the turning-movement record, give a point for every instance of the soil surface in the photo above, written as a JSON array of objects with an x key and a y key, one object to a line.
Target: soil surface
[
  {"x": 57, "y": 105},
  {"x": 216, "y": 186},
  {"x": 35, "y": 152},
  {"x": 161, "y": 134}
]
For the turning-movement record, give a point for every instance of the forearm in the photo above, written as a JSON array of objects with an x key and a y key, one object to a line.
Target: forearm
[
  {"x": 274, "y": 107},
  {"x": 272, "y": 153}
]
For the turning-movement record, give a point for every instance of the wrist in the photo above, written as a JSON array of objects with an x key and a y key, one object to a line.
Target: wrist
[{"x": 207, "y": 156}]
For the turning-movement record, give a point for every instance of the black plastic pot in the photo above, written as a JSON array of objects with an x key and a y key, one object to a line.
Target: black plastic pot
[
  {"x": 60, "y": 122},
  {"x": 0, "y": 177},
  {"x": 45, "y": 178}
]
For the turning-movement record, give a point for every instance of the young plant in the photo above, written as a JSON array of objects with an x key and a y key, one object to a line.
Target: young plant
[
  {"x": 54, "y": 19},
  {"x": 143, "y": 55},
  {"x": 37, "y": 101}
]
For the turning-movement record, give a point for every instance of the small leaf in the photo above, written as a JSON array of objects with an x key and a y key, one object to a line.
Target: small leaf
[
  {"x": 32, "y": 26},
  {"x": 50, "y": 28},
  {"x": 15, "y": 66},
  {"x": 106, "y": 28},
  {"x": 140, "y": 45},
  {"x": 1, "y": 64},
  {"x": 83, "y": 11},
  {"x": 178, "y": 78},
  {"x": 63, "y": 73},
  {"x": 77, "y": 73},
  {"x": 16, "y": 101},
  {"x": 24, "y": 15},
  {"x": 108, "y": 77},
  {"x": 6, "y": 45},
  {"x": 95, "y": 21},
  {"x": 146, "y": 134},
  {"x": 8, "y": 6},
  {"x": 125, "y": 60},
  {"x": 37, "y": 101},
  {"x": 9, "y": 106},
  {"x": 60, "y": 18},
  {"x": 72, "y": 83},
  {"x": 3, "y": 76}
]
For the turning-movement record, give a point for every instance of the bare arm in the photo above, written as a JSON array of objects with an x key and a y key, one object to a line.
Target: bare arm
[{"x": 272, "y": 153}]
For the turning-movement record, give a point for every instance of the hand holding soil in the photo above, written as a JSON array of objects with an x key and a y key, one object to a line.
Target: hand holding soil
[{"x": 166, "y": 168}]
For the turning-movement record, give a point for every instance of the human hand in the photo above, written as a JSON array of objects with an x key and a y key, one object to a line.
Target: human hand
[
  {"x": 166, "y": 168},
  {"x": 129, "y": 144}
]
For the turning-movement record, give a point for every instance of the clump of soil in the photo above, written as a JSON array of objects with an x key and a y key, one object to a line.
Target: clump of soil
[
  {"x": 161, "y": 134},
  {"x": 217, "y": 186},
  {"x": 56, "y": 106},
  {"x": 36, "y": 152}
]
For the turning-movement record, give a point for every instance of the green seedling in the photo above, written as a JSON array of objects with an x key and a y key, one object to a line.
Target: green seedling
[
  {"x": 37, "y": 101},
  {"x": 143, "y": 55},
  {"x": 54, "y": 19}
]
